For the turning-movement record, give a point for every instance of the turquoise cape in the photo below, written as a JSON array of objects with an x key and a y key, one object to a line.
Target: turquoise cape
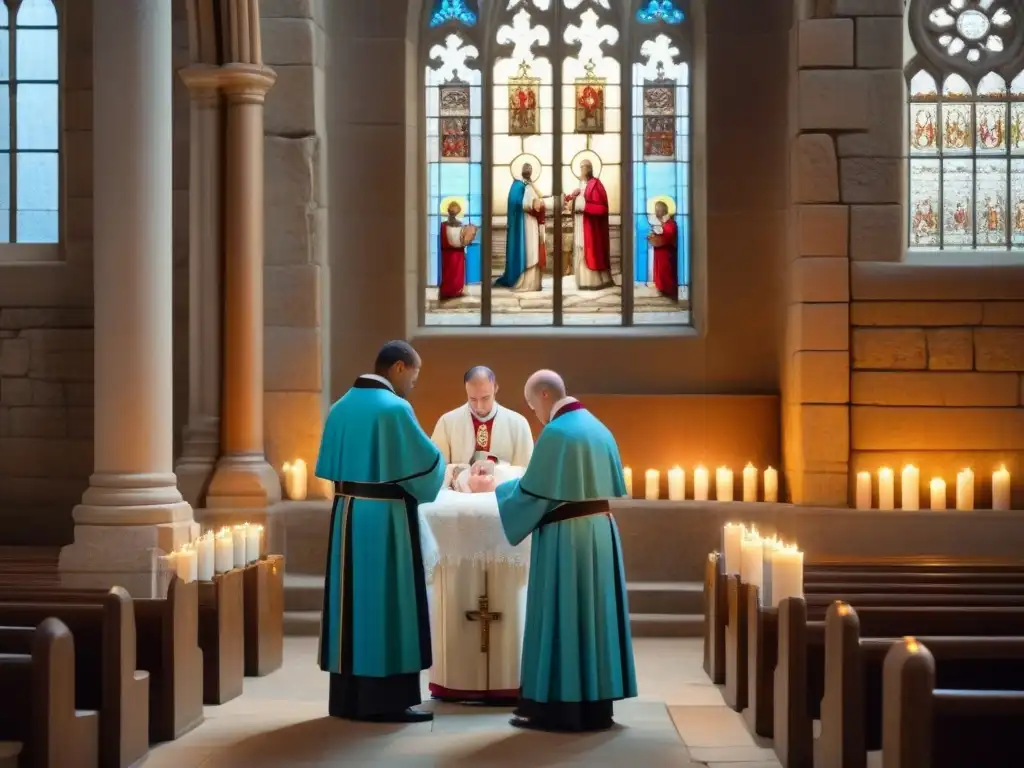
[
  {"x": 515, "y": 237},
  {"x": 375, "y": 621},
  {"x": 577, "y": 645}
]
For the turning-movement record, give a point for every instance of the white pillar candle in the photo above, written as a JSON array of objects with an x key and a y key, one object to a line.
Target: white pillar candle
[
  {"x": 238, "y": 545},
  {"x": 1001, "y": 489},
  {"x": 863, "y": 490},
  {"x": 295, "y": 480},
  {"x": 204, "y": 557},
  {"x": 732, "y": 536},
  {"x": 253, "y": 543},
  {"x": 938, "y": 493},
  {"x": 771, "y": 485},
  {"x": 723, "y": 484},
  {"x": 910, "y": 490},
  {"x": 700, "y": 484},
  {"x": 676, "y": 484},
  {"x": 787, "y": 575},
  {"x": 652, "y": 483},
  {"x": 223, "y": 551},
  {"x": 627, "y": 478},
  {"x": 752, "y": 559},
  {"x": 185, "y": 561},
  {"x": 750, "y": 482},
  {"x": 965, "y": 489},
  {"x": 886, "y": 489}
]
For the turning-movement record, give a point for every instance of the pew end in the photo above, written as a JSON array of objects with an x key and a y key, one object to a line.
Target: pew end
[
  {"x": 221, "y": 636},
  {"x": 715, "y": 617},
  {"x": 843, "y": 730},
  {"x": 792, "y": 729},
  {"x": 264, "y": 616},
  {"x": 762, "y": 655},
  {"x": 735, "y": 690}
]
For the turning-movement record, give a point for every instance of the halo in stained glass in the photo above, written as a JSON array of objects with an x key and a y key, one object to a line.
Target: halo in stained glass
[
  {"x": 659, "y": 10},
  {"x": 452, "y": 10}
]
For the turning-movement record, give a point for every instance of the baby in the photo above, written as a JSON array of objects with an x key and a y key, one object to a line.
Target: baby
[{"x": 478, "y": 478}]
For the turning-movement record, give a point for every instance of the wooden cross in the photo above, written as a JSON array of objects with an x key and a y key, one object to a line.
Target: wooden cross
[{"x": 485, "y": 617}]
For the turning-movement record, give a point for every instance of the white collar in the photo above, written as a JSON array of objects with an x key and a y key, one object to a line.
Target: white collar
[
  {"x": 381, "y": 379},
  {"x": 485, "y": 419},
  {"x": 559, "y": 405}
]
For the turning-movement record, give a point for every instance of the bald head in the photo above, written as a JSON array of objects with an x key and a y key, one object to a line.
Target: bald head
[{"x": 544, "y": 389}]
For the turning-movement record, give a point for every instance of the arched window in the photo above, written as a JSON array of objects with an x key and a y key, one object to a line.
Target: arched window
[
  {"x": 29, "y": 122},
  {"x": 965, "y": 77},
  {"x": 557, "y": 162}
]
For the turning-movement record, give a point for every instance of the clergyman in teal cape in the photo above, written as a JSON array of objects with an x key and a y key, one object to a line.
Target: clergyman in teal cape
[
  {"x": 577, "y": 648},
  {"x": 375, "y": 631}
]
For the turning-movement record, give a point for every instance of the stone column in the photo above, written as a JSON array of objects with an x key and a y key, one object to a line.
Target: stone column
[
  {"x": 243, "y": 479},
  {"x": 132, "y": 506},
  {"x": 201, "y": 436}
]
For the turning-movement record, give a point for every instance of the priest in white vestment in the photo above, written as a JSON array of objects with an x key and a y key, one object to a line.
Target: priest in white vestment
[{"x": 478, "y": 593}]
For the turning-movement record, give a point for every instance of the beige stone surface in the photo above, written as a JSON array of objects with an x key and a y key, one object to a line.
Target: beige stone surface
[
  {"x": 822, "y": 377},
  {"x": 925, "y": 429},
  {"x": 293, "y": 296},
  {"x": 291, "y": 105},
  {"x": 824, "y": 436},
  {"x": 819, "y": 279},
  {"x": 826, "y": 489},
  {"x": 935, "y": 389},
  {"x": 904, "y": 313},
  {"x": 877, "y": 232},
  {"x": 880, "y": 42},
  {"x": 815, "y": 172},
  {"x": 295, "y": 420},
  {"x": 819, "y": 327},
  {"x": 822, "y": 230},
  {"x": 950, "y": 349},
  {"x": 870, "y": 179},
  {"x": 865, "y": 7},
  {"x": 999, "y": 349},
  {"x": 292, "y": 41},
  {"x": 889, "y": 349},
  {"x": 833, "y": 100},
  {"x": 292, "y": 360},
  {"x": 1001, "y": 313},
  {"x": 885, "y": 136},
  {"x": 825, "y": 43}
]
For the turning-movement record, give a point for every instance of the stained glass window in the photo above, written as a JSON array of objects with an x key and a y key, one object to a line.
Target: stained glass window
[
  {"x": 965, "y": 130},
  {"x": 558, "y": 186}
]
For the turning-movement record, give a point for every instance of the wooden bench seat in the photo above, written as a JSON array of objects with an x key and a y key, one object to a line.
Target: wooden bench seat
[
  {"x": 927, "y": 727},
  {"x": 37, "y": 705},
  {"x": 264, "y": 615},
  {"x": 106, "y": 675},
  {"x": 166, "y": 646}
]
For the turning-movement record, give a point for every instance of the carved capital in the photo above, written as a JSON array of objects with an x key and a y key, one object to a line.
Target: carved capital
[
  {"x": 203, "y": 83},
  {"x": 247, "y": 83}
]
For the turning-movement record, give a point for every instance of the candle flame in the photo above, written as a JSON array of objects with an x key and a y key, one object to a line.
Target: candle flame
[
  {"x": 909, "y": 466},
  {"x": 700, "y": 468},
  {"x": 750, "y": 465},
  {"x": 843, "y": 609},
  {"x": 287, "y": 467},
  {"x": 884, "y": 472},
  {"x": 866, "y": 475},
  {"x": 1002, "y": 470},
  {"x": 911, "y": 644}
]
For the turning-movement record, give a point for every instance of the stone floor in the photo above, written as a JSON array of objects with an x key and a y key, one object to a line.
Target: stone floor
[{"x": 678, "y": 720}]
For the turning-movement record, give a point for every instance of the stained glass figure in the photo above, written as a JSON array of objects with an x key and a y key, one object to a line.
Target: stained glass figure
[
  {"x": 454, "y": 111},
  {"x": 925, "y": 202},
  {"x": 653, "y": 11},
  {"x": 452, "y": 11},
  {"x": 957, "y": 203},
  {"x": 1017, "y": 203},
  {"x": 990, "y": 196},
  {"x": 589, "y": 101},
  {"x": 523, "y": 103}
]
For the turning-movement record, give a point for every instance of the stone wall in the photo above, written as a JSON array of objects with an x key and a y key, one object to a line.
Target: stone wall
[{"x": 180, "y": 135}]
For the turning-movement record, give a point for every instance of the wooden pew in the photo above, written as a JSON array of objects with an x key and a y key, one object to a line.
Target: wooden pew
[
  {"x": 715, "y": 618},
  {"x": 107, "y": 678},
  {"x": 925, "y": 727},
  {"x": 264, "y": 615},
  {"x": 800, "y": 670},
  {"x": 221, "y": 636},
  {"x": 166, "y": 646},
  {"x": 37, "y": 706}
]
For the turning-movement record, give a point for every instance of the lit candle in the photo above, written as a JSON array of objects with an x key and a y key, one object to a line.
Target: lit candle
[
  {"x": 676, "y": 484},
  {"x": 732, "y": 536},
  {"x": 910, "y": 492},
  {"x": 627, "y": 478},
  {"x": 723, "y": 484},
  {"x": 1001, "y": 488},
  {"x": 965, "y": 489},
  {"x": 253, "y": 542},
  {"x": 938, "y": 493},
  {"x": 771, "y": 485},
  {"x": 653, "y": 483},
  {"x": 185, "y": 560},
  {"x": 752, "y": 559},
  {"x": 700, "y": 484},
  {"x": 295, "y": 480},
  {"x": 863, "y": 490},
  {"x": 223, "y": 551},
  {"x": 204, "y": 557},
  {"x": 787, "y": 576},
  {"x": 238, "y": 545},
  {"x": 750, "y": 482},
  {"x": 886, "y": 489}
]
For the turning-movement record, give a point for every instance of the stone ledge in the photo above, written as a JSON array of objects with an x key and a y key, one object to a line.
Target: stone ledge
[{"x": 874, "y": 281}]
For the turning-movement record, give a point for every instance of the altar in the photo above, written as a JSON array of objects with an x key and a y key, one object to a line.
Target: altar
[{"x": 477, "y": 600}]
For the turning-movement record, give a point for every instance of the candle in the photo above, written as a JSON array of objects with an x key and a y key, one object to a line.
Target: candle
[
  {"x": 787, "y": 573},
  {"x": 223, "y": 551},
  {"x": 627, "y": 478},
  {"x": 965, "y": 489},
  {"x": 723, "y": 484},
  {"x": 771, "y": 486},
  {"x": 886, "y": 489},
  {"x": 238, "y": 545},
  {"x": 732, "y": 536},
  {"x": 700, "y": 484},
  {"x": 1001, "y": 489},
  {"x": 653, "y": 482},
  {"x": 295, "y": 480},
  {"x": 910, "y": 488},
  {"x": 204, "y": 557},
  {"x": 676, "y": 484},
  {"x": 750, "y": 482},
  {"x": 185, "y": 561},
  {"x": 752, "y": 559},
  {"x": 863, "y": 490},
  {"x": 253, "y": 543},
  {"x": 938, "y": 493}
]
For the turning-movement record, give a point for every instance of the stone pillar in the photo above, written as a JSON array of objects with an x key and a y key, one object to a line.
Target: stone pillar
[
  {"x": 243, "y": 479},
  {"x": 132, "y": 506},
  {"x": 201, "y": 436}
]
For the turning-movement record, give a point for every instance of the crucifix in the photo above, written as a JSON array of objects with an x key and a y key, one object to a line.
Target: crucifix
[{"x": 484, "y": 615}]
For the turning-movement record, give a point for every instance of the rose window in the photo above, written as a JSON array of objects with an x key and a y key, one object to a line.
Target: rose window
[{"x": 971, "y": 28}]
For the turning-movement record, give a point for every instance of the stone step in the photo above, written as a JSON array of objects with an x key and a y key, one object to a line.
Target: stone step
[
  {"x": 666, "y": 625},
  {"x": 302, "y": 623},
  {"x": 666, "y": 597},
  {"x": 303, "y": 592}
]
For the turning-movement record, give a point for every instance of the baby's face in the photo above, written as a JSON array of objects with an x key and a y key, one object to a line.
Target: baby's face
[{"x": 481, "y": 483}]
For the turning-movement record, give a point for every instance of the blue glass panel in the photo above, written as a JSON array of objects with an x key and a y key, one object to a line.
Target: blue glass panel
[
  {"x": 38, "y": 111},
  {"x": 659, "y": 10},
  {"x": 475, "y": 180},
  {"x": 684, "y": 250},
  {"x": 643, "y": 228},
  {"x": 37, "y": 226},
  {"x": 5, "y": 197},
  {"x": 5, "y": 116},
  {"x": 5, "y": 52},
  {"x": 36, "y": 54},
  {"x": 37, "y": 13},
  {"x": 4, "y": 19},
  {"x": 38, "y": 175},
  {"x": 452, "y": 10}
]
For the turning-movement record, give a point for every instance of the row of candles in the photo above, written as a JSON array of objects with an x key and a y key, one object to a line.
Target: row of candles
[
  {"x": 910, "y": 489},
  {"x": 774, "y": 567},
  {"x": 724, "y": 484},
  {"x": 220, "y": 552}
]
